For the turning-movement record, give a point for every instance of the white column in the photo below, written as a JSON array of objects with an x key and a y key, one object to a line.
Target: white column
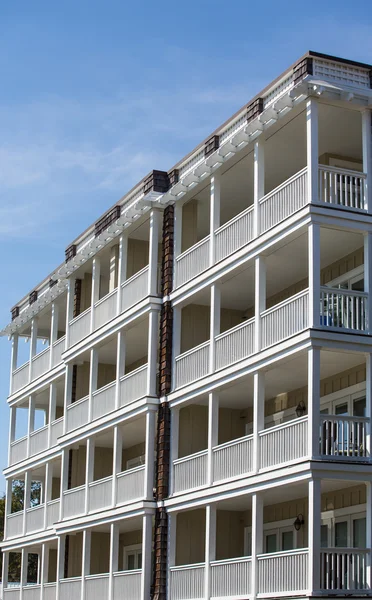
[
  {"x": 47, "y": 490},
  {"x": 149, "y": 454},
  {"x": 152, "y": 352},
  {"x": 117, "y": 458},
  {"x": 314, "y": 535},
  {"x": 257, "y": 539},
  {"x": 114, "y": 556},
  {"x": 30, "y": 421},
  {"x": 61, "y": 541},
  {"x": 64, "y": 479},
  {"x": 33, "y": 342},
  {"x": 313, "y": 401},
  {"x": 51, "y": 409},
  {"x": 13, "y": 359},
  {"x": 89, "y": 470},
  {"x": 213, "y": 413},
  {"x": 146, "y": 556},
  {"x": 369, "y": 402},
  {"x": 155, "y": 225},
  {"x": 12, "y": 428},
  {"x": 96, "y": 277},
  {"x": 120, "y": 364},
  {"x": 259, "y": 298},
  {"x": 122, "y": 268},
  {"x": 210, "y": 546},
  {"x": 369, "y": 532},
  {"x": 8, "y": 503},
  {"x": 314, "y": 274},
  {"x": 4, "y": 577},
  {"x": 258, "y": 183},
  {"x": 177, "y": 241},
  {"x": 312, "y": 149},
  {"x": 215, "y": 201},
  {"x": 85, "y": 567},
  {"x": 175, "y": 427},
  {"x": 44, "y": 567},
  {"x": 176, "y": 349},
  {"x": 172, "y": 538},
  {"x": 68, "y": 395},
  {"x": 24, "y": 569},
  {"x": 93, "y": 380},
  {"x": 113, "y": 268},
  {"x": 368, "y": 277},
  {"x": 367, "y": 156},
  {"x": 53, "y": 332},
  {"x": 258, "y": 415},
  {"x": 69, "y": 307},
  {"x": 215, "y": 324}
]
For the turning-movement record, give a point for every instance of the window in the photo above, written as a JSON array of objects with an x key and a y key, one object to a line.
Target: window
[
  {"x": 138, "y": 461},
  {"x": 280, "y": 539},
  {"x": 132, "y": 557}
]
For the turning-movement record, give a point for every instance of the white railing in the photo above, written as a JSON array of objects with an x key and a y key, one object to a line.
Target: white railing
[
  {"x": 31, "y": 592},
  {"x": 343, "y": 437},
  {"x": 73, "y": 502},
  {"x": 52, "y": 512},
  {"x": 235, "y": 344},
  {"x": 104, "y": 400},
  {"x": 21, "y": 377},
  {"x": 283, "y": 443},
  {"x": 133, "y": 386},
  {"x": 77, "y": 413},
  {"x": 283, "y": 201},
  {"x": 234, "y": 234},
  {"x": 283, "y": 572},
  {"x": 40, "y": 363},
  {"x": 56, "y": 430},
  {"x": 343, "y": 308},
  {"x": 341, "y": 187},
  {"x": 192, "y": 262},
  {"x": 79, "y": 327},
  {"x": 13, "y": 593},
  {"x": 14, "y": 524},
  {"x": 18, "y": 450},
  {"x": 50, "y": 591},
  {"x": 344, "y": 569},
  {"x": 105, "y": 309},
  {"x": 58, "y": 349},
  {"x": 233, "y": 458},
  {"x": 100, "y": 493},
  {"x": 97, "y": 587},
  {"x": 127, "y": 584},
  {"x": 39, "y": 440},
  {"x": 130, "y": 485},
  {"x": 70, "y": 588},
  {"x": 190, "y": 472},
  {"x": 134, "y": 289},
  {"x": 192, "y": 365},
  {"x": 187, "y": 583},
  {"x": 231, "y": 577},
  {"x": 285, "y": 319},
  {"x": 35, "y": 518}
]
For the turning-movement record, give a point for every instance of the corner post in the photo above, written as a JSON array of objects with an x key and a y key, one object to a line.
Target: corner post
[{"x": 312, "y": 151}]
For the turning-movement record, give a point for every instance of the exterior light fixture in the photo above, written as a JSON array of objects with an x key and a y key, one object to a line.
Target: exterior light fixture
[
  {"x": 301, "y": 409},
  {"x": 299, "y": 522}
]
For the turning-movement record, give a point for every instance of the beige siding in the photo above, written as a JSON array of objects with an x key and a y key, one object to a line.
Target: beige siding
[
  {"x": 231, "y": 424},
  {"x": 82, "y": 380},
  {"x": 195, "y": 324},
  {"x": 78, "y": 466},
  {"x": 106, "y": 374},
  {"x": 75, "y": 552},
  {"x": 103, "y": 462},
  {"x": 86, "y": 292},
  {"x": 138, "y": 256},
  {"x": 129, "y": 538},
  {"x": 190, "y": 546},
  {"x": 132, "y": 452},
  {"x": 56, "y": 488},
  {"x": 230, "y": 534},
  {"x": 189, "y": 224},
  {"x": 52, "y": 567},
  {"x": 136, "y": 364},
  {"x": 193, "y": 429},
  {"x": 100, "y": 553}
]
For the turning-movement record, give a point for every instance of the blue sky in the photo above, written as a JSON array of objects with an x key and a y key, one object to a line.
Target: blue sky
[{"x": 96, "y": 94}]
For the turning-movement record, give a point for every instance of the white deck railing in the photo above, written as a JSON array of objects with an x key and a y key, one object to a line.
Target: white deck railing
[
  {"x": 100, "y": 494},
  {"x": 343, "y": 308},
  {"x": 77, "y": 413},
  {"x": 127, "y": 584},
  {"x": 134, "y": 289},
  {"x": 18, "y": 450},
  {"x": 283, "y": 201},
  {"x": 79, "y": 327},
  {"x": 344, "y": 569},
  {"x": 285, "y": 319},
  {"x": 52, "y": 512},
  {"x": 130, "y": 485},
  {"x": 50, "y": 591},
  {"x": 31, "y": 592},
  {"x": 70, "y": 588},
  {"x": 35, "y": 518},
  {"x": 21, "y": 377},
  {"x": 190, "y": 471},
  {"x": 39, "y": 440},
  {"x": 133, "y": 385},
  {"x": 40, "y": 363},
  {"x": 105, "y": 309},
  {"x": 14, "y": 524},
  {"x": 233, "y": 458},
  {"x": 235, "y": 344},
  {"x": 104, "y": 400},
  {"x": 74, "y": 502},
  {"x": 58, "y": 349},
  {"x": 231, "y": 578},
  {"x": 12, "y": 593},
  {"x": 283, "y": 572},
  {"x": 343, "y": 437},
  {"x": 283, "y": 443},
  {"x": 234, "y": 234},
  {"x": 192, "y": 365},
  {"x": 187, "y": 583},
  {"x": 97, "y": 586},
  {"x": 342, "y": 188},
  {"x": 192, "y": 262},
  {"x": 56, "y": 430}
]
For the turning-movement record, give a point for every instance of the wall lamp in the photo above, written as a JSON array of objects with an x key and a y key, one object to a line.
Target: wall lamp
[
  {"x": 299, "y": 522},
  {"x": 301, "y": 409}
]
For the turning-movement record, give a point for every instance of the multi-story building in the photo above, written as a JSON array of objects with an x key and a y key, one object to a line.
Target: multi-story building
[{"x": 199, "y": 422}]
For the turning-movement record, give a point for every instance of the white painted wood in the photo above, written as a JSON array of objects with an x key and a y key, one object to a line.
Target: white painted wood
[
  {"x": 15, "y": 524},
  {"x": 233, "y": 459},
  {"x": 35, "y": 518},
  {"x": 187, "y": 582},
  {"x": 18, "y": 450},
  {"x": 70, "y": 588},
  {"x": 313, "y": 533},
  {"x": 120, "y": 364},
  {"x": 234, "y": 234},
  {"x": 103, "y": 400},
  {"x": 89, "y": 470},
  {"x": 67, "y": 395},
  {"x": 177, "y": 242},
  {"x": 117, "y": 459},
  {"x": 312, "y": 151},
  {"x": 39, "y": 440},
  {"x": 231, "y": 578},
  {"x": 215, "y": 323},
  {"x": 192, "y": 365},
  {"x": 210, "y": 546},
  {"x": 283, "y": 443},
  {"x": 176, "y": 342},
  {"x": 69, "y": 308},
  {"x": 152, "y": 352},
  {"x": 257, "y": 540},
  {"x": 342, "y": 188},
  {"x": 283, "y": 201},
  {"x": 283, "y": 572},
  {"x": 41, "y": 363},
  {"x": 285, "y": 319},
  {"x": 133, "y": 385},
  {"x": 258, "y": 416},
  {"x": 93, "y": 380},
  {"x": 127, "y": 584},
  {"x": 135, "y": 289},
  {"x": 57, "y": 350},
  {"x": 344, "y": 569},
  {"x": 190, "y": 471},
  {"x": 20, "y": 377},
  {"x": 192, "y": 262},
  {"x": 33, "y": 343},
  {"x": 96, "y": 587},
  {"x": 213, "y": 414},
  {"x": 64, "y": 480},
  {"x": 344, "y": 309},
  {"x": 114, "y": 557},
  {"x": 258, "y": 183},
  {"x": 13, "y": 360},
  {"x": 214, "y": 213},
  {"x": 74, "y": 502},
  {"x": 149, "y": 475},
  {"x": 77, "y": 414},
  {"x": 79, "y": 327},
  {"x": 100, "y": 494},
  {"x": 105, "y": 309},
  {"x": 96, "y": 278},
  {"x": 259, "y": 298},
  {"x": 367, "y": 156},
  {"x": 343, "y": 438},
  {"x": 155, "y": 226},
  {"x": 52, "y": 512},
  {"x": 85, "y": 564},
  {"x": 130, "y": 485},
  {"x": 146, "y": 556},
  {"x": 122, "y": 269},
  {"x": 53, "y": 332},
  {"x": 313, "y": 400},
  {"x": 235, "y": 344}
]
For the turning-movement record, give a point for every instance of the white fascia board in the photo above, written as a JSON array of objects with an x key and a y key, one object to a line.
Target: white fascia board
[
  {"x": 33, "y": 539},
  {"x": 123, "y": 512},
  {"x": 39, "y": 383},
  {"x": 32, "y": 462}
]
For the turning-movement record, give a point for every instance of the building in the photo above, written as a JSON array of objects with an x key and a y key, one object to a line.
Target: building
[{"x": 199, "y": 420}]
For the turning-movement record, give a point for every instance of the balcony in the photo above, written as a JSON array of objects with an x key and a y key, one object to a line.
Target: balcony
[
  {"x": 38, "y": 441},
  {"x": 34, "y": 519},
  {"x": 41, "y": 363}
]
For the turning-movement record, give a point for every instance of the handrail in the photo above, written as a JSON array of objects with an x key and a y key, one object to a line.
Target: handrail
[
  {"x": 284, "y": 302},
  {"x": 41, "y": 353},
  {"x": 60, "y": 418},
  {"x": 296, "y": 552},
  {"x": 15, "y": 514},
  {"x": 346, "y": 550},
  {"x": 331, "y": 290},
  {"x": 131, "y": 572},
  {"x": 51, "y": 502},
  {"x": 177, "y": 461},
  {"x": 283, "y": 425},
  {"x": 80, "y": 401},
  {"x": 133, "y": 470},
  {"x": 68, "y": 579},
  {"x": 236, "y": 218},
  {"x": 282, "y": 185},
  {"x": 228, "y": 561},
  {"x": 75, "y": 319},
  {"x": 187, "y": 567},
  {"x": 235, "y": 328},
  {"x": 329, "y": 417},
  {"x": 97, "y": 576},
  {"x": 79, "y": 488},
  {"x": 138, "y": 370},
  {"x": 192, "y": 350},
  {"x": 101, "y": 300},
  {"x": 342, "y": 171},
  {"x": 244, "y": 438},
  {"x": 194, "y": 247},
  {"x": 59, "y": 341},
  {"x": 26, "y": 364},
  {"x": 37, "y": 507},
  {"x": 43, "y": 428},
  {"x": 98, "y": 481},
  {"x": 133, "y": 277},
  {"x": 22, "y": 439},
  {"x": 104, "y": 387}
]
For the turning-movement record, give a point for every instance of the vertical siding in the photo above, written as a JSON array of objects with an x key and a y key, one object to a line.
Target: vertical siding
[
  {"x": 193, "y": 430},
  {"x": 190, "y": 546}
]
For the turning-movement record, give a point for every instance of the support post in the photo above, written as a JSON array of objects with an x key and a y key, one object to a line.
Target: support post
[
  {"x": 53, "y": 332},
  {"x": 69, "y": 307},
  {"x": 5, "y": 570},
  {"x": 368, "y": 278},
  {"x": 85, "y": 567},
  {"x": 122, "y": 268},
  {"x": 120, "y": 365},
  {"x": 12, "y": 428},
  {"x": 33, "y": 343},
  {"x": 213, "y": 414},
  {"x": 117, "y": 458},
  {"x": 113, "y": 268},
  {"x": 210, "y": 546},
  {"x": 146, "y": 556},
  {"x": 314, "y": 535},
  {"x": 258, "y": 416},
  {"x": 369, "y": 404},
  {"x": 260, "y": 299},
  {"x": 312, "y": 144},
  {"x": 67, "y": 396},
  {"x": 369, "y": 533},
  {"x": 152, "y": 352},
  {"x": 47, "y": 490},
  {"x": 30, "y": 421},
  {"x": 178, "y": 210},
  {"x": 257, "y": 539},
  {"x": 44, "y": 568},
  {"x": 24, "y": 569},
  {"x": 61, "y": 541},
  {"x": 175, "y": 429},
  {"x": 314, "y": 274},
  {"x": 215, "y": 324},
  {"x": 155, "y": 216},
  {"x": 149, "y": 455},
  {"x": 367, "y": 157},
  {"x": 258, "y": 183},
  {"x": 8, "y": 504},
  {"x": 93, "y": 380},
  {"x": 96, "y": 277},
  {"x": 313, "y": 401},
  {"x": 51, "y": 410},
  {"x": 64, "y": 479},
  {"x": 89, "y": 470},
  {"x": 114, "y": 557},
  {"x": 215, "y": 209},
  {"x": 176, "y": 346},
  {"x": 13, "y": 360}
]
